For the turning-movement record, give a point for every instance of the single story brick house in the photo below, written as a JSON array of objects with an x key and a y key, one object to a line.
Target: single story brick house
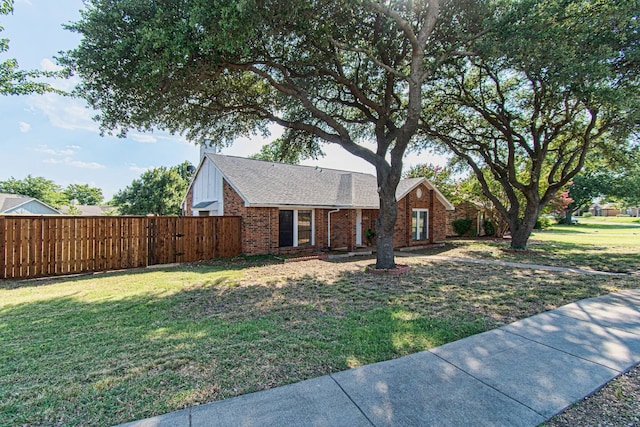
[{"x": 286, "y": 208}]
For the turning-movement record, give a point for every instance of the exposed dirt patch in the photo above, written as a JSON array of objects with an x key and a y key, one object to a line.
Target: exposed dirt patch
[{"x": 399, "y": 269}]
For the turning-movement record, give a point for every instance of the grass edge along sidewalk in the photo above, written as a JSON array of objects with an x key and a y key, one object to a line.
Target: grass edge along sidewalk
[{"x": 515, "y": 375}]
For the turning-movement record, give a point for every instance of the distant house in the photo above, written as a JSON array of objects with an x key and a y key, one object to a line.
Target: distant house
[
  {"x": 633, "y": 211},
  {"x": 607, "y": 209},
  {"x": 294, "y": 208},
  {"x": 18, "y": 204},
  {"x": 89, "y": 210}
]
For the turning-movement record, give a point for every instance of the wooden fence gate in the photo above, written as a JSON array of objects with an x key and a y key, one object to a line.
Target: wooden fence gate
[{"x": 38, "y": 246}]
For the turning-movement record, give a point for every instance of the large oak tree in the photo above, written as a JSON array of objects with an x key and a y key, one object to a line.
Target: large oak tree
[
  {"x": 347, "y": 72},
  {"x": 551, "y": 81}
]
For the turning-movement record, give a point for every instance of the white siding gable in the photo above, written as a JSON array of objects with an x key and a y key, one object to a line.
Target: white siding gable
[
  {"x": 207, "y": 190},
  {"x": 32, "y": 207}
]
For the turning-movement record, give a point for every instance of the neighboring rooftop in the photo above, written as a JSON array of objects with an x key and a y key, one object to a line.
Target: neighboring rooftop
[
  {"x": 89, "y": 210},
  {"x": 18, "y": 203}
]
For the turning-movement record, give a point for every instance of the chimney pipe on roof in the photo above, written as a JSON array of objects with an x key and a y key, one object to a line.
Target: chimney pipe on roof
[{"x": 207, "y": 148}]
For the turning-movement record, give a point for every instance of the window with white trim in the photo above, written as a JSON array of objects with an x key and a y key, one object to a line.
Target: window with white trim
[
  {"x": 420, "y": 224},
  {"x": 297, "y": 228}
]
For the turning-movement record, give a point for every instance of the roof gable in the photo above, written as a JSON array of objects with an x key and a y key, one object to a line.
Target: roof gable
[{"x": 11, "y": 203}]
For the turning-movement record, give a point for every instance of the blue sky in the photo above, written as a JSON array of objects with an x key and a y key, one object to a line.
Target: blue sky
[{"x": 55, "y": 137}]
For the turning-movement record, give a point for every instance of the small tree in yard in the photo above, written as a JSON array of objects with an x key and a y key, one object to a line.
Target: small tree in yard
[
  {"x": 561, "y": 205},
  {"x": 551, "y": 81},
  {"x": 158, "y": 191},
  {"x": 345, "y": 72}
]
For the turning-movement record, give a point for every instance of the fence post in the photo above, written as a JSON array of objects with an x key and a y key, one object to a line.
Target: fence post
[{"x": 3, "y": 248}]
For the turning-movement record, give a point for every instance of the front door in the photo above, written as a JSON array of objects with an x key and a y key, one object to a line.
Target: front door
[{"x": 286, "y": 229}]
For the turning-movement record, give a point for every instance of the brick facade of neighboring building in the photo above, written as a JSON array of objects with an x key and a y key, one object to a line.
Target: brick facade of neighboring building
[
  {"x": 464, "y": 210},
  {"x": 420, "y": 198}
]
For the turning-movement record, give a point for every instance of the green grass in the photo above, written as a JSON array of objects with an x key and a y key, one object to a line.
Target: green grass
[
  {"x": 593, "y": 243},
  {"x": 609, "y": 220},
  {"x": 108, "y": 348}
]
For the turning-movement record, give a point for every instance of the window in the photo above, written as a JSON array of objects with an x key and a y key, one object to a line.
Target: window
[
  {"x": 304, "y": 228},
  {"x": 296, "y": 228},
  {"x": 420, "y": 224},
  {"x": 286, "y": 229}
]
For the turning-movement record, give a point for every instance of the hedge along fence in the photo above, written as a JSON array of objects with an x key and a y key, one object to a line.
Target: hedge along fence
[{"x": 39, "y": 246}]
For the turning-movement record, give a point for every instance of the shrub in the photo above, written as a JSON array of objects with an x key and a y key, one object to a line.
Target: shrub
[
  {"x": 489, "y": 228},
  {"x": 587, "y": 214},
  {"x": 542, "y": 223},
  {"x": 369, "y": 234},
  {"x": 462, "y": 226}
]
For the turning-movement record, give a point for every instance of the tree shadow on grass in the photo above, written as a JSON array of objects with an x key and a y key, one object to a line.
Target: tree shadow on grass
[
  {"x": 234, "y": 264},
  {"x": 71, "y": 360}
]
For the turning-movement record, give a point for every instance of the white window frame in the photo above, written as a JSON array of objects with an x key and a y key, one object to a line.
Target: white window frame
[
  {"x": 295, "y": 227},
  {"x": 421, "y": 213}
]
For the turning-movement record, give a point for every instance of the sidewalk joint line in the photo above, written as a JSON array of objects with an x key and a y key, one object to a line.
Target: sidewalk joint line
[
  {"x": 488, "y": 385},
  {"x": 562, "y": 351},
  {"x": 352, "y": 401}
]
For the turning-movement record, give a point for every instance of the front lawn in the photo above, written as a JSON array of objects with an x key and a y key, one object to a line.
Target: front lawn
[
  {"x": 591, "y": 244},
  {"x": 109, "y": 348}
]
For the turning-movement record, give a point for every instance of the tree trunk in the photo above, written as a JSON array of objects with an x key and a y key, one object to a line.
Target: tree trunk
[
  {"x": 567, "y": 215},
  {"x": 521, "y": 231},
  {"x": 388, "y": 178},
  {"x": 385, "y": 226}
]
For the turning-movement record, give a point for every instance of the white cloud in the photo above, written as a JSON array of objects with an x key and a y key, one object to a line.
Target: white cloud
[
  {"x": 139, "y": 169},
  {"x": 143, "y": 138},
  {"x": 24, "y": 127},
  {"x": 68, "y": 151},
  {"x": 75, "y": 163},
  {"x": 174, "y": 138},
  {"x": 48, "y": 65},
  {"x": 63, "y": 112}
]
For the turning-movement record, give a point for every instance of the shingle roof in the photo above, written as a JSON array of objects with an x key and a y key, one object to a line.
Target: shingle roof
[
  {"x": 263, "y": 183},
  {"x": 90, "y": 210},
  {"x": 10, "y": 201}
]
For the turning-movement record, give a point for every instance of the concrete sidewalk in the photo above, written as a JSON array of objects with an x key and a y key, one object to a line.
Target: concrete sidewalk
[{"x": 517, "y": 375}]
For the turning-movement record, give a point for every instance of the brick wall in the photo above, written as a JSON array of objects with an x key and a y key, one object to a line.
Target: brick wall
[
  {"x": 343, "y": 229},
  {"x": 259, "y": 225},
  {"x": 437, "y": 217},
  {"x": 464, "y": 210},
  {"x": 321, "y": 228},
  {"x": 186, "y": 209},
  {"x": 439, "y": 222}
]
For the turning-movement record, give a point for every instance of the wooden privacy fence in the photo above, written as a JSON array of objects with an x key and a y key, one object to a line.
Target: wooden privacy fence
[{"x": 37, "y": 246}]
